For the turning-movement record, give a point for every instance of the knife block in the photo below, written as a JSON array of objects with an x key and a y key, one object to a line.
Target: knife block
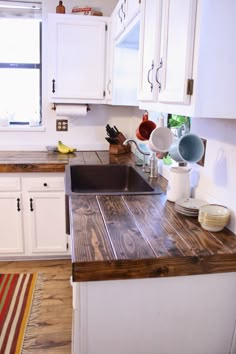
[{"x": 117, "y": 149}]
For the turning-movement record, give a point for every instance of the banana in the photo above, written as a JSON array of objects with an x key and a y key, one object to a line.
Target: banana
[{"x": 64, "y": 149}]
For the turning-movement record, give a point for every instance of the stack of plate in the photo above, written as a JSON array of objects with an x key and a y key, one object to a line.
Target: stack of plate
[
  {"x": 213, "y": 217},
  {"x": 189, "y": 206}
]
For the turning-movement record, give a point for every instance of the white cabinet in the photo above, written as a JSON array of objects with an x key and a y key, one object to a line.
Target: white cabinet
[
  {"x": 45, "y": 214},
  {"x": 125, "y": 11},
  {"x": 77, "y": 58},
  {"x": 166, "y": 55},
  {"x": 196, "y": 56},
  {"x": 176, "y": 57},
  {"x": 109, "y": 61},
  {"x": 173, "y": 315},
  {"x": 122, "y": 83},
  {"x": 34, "y": 216},
  {"x": 149, "y": 50},
  {"x": 11, "y": 221}
]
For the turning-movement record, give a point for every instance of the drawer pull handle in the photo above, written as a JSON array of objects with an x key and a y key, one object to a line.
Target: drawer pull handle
[
  {"x": 45, "y": 184},
  {"x": 18, "y": 204},
  {"x": 53, "y": 85},
  {"x": 31, "y": 205}
]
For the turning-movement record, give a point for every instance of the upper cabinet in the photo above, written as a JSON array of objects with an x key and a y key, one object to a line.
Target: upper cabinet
[
  {"x": 187, "y": 64},
  {"x": 123, "y": 55},
  {"x": 176, "y": 52},
  {"x": 166, "y": 56},
  {"x": 149, "y": 50},
  {"x": 77, "y": 58},
  {"x": 125, "y": 11}
]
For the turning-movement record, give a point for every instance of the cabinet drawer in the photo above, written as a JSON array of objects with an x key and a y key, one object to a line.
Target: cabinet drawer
[
  {"x": 10, "y": 184},
  {"x": 43, "y": 184}
]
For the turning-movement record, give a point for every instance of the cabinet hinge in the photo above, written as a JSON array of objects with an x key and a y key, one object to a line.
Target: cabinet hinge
[
  {"x": 190, "y": 87},
  {"x": 106, "y": 27}
]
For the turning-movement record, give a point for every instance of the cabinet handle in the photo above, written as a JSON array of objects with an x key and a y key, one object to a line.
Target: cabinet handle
[
  {"x": 45, "y": 184},
  {"x": 119, "y": 15},
  {"x": 108, "y": 87},
  {"x": 18, "y": 204},
  {"x": 53, "y": 85},
  {"x": 159, "y": 67},
  {"x": 148, "y": 76},
  {"x": 31, "y": 205},
  {"x": 122, "y": 9}
]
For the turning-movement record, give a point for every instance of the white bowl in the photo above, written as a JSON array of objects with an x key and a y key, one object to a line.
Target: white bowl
[
  {"x": 212, "y": 228},
  {"x": 214, "y": 210}
]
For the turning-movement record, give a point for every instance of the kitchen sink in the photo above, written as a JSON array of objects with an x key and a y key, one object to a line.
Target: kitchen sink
[{"x": 107, "y": 179}]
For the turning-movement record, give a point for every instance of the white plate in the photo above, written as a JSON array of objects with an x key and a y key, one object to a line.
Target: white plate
[{"x": 190, "y": 203}]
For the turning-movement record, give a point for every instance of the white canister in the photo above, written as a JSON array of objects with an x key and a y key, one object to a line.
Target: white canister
[{"x": 178, "y": 184}]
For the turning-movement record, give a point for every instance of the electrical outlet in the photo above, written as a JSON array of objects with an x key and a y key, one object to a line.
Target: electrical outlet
[
  {"x": 62, "y": 125},
  {"x": 202, "y": 161}
]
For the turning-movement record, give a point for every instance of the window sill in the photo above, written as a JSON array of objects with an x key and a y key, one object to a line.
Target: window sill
[{"x": 23, "y": 129}]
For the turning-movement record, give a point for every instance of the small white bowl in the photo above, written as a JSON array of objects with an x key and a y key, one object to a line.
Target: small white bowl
[
  {"x": 214, "y": 210},
  {"x": 212, "y": 228}
]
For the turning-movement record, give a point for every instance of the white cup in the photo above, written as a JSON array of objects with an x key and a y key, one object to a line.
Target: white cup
[{"x": 161, "y": 139}]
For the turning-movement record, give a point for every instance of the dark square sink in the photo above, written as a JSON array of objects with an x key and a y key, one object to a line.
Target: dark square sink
[{"x": 107, "y": 179}]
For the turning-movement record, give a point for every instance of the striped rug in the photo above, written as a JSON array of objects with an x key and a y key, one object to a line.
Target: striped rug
[{"x": 16, "y": 297}]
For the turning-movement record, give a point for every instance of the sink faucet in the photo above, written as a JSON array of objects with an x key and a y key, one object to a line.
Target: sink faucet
[{"x": 144, "y": 153}]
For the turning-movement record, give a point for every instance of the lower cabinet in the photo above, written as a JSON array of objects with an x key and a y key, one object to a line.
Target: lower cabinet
[
  {"x": 173, "y": 315},
  {"x": 11, "y": 224},
  {"x": 32, "y": 219}
]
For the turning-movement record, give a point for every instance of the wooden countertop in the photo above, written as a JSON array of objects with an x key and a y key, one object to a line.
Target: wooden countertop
[
  {"x": 125, "y": 237},
  {"x": 142, "y": 236},
  {"x": 41, "y": 161}
]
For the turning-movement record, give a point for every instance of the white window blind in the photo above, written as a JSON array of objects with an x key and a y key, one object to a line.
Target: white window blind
[
  {"x": 20, "y": 63},
  {"x": 20, "y": 9}
]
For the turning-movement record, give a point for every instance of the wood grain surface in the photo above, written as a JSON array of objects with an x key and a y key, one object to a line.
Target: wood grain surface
[
  {"x": 125, "y": 237},
  {"x": 142, "y": 236}
]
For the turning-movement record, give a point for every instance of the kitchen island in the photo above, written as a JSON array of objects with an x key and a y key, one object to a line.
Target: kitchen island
[{"x": 147, "y": 279}]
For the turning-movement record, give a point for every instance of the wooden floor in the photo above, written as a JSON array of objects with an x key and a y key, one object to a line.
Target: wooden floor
[{"x": 52, "y": 335}]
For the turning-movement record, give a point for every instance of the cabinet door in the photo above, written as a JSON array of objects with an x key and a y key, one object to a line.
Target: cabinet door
[
  {"x": 150, "y": 49},
  {"x": 177, "y": 39},
  {"x": 119, "y": 18},
  {"x": 132, "y": 9},
  {"x": 45, "y": 222},
  {"x": 11, "y": 223},
  {"x": 77, "y": 54}
]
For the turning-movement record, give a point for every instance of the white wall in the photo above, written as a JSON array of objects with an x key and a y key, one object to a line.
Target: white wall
[{"x": 216, "y": 180}]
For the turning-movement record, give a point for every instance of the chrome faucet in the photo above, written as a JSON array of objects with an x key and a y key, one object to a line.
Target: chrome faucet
[{"x": 144, "y": 153}]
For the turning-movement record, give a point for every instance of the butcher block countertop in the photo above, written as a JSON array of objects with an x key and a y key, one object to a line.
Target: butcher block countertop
[
  {"x": 141, "y": 236},
  {"x": 128, "y": 237}
]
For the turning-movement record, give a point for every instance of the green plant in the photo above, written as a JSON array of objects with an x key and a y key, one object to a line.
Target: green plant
[{"x": 176, "y": 121}]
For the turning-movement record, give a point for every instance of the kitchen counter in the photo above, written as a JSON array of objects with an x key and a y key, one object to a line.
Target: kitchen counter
[
  {"x": 126, "y": 237},
  {"x": 142, "y": 236}
]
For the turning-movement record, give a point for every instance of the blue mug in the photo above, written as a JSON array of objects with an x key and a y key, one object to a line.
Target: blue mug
[{"x": 188, "y": 148}]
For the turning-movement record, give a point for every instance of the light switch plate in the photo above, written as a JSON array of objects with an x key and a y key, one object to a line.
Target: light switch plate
[{"x": 62, "y": 125}]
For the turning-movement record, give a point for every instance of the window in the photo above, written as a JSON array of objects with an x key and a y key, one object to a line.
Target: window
[{"x": 20, "y": 71}]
